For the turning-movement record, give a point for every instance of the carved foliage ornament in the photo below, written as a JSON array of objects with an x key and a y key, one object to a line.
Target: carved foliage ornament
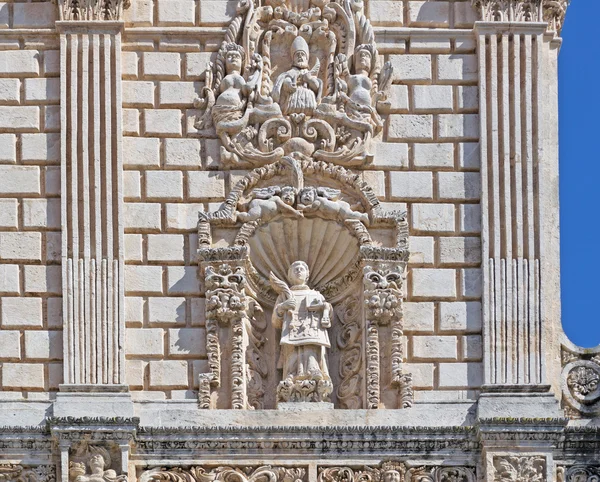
[
  {"x": 18, "y": 473},
  {"x": 580, "y": 383},
  {"x": 91, "y": 9},
  {"x": 228, "y": 305},
  {"x": 296, "y": 77},
  {"x": 396, "y": 472},
  {"x": 520, "y": 469},
  {"x": 225, "y": 474},
  {"x": 551, "y": 11}
]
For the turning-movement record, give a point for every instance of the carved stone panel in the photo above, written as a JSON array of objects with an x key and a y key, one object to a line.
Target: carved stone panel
[{"x": 296, "y": 77}]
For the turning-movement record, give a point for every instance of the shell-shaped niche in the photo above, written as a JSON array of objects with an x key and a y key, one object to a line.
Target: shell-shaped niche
[{"x": 328, "y": 248}]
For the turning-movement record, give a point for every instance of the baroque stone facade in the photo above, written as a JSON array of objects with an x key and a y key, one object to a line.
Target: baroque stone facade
[{"x": 285, "y": 240}]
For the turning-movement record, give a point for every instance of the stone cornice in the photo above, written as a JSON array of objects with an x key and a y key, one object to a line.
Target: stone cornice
[{"x": 551, "y": 11}]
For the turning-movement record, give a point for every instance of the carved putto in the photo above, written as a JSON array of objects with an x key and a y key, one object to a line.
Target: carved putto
[
  {"x": 520, "y": 469},
  {"x": 301, "y": 77}
]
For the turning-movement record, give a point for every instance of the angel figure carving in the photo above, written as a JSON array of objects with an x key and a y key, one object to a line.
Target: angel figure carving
[
  {"x": 361, "y": 91},
  {"x": 233, "y": 93},
  {"x": 268, "y": 203},
  {"x": 299, "y": 90},
  {"x": 303, "y": 315},
  {"x": 326, "y": 203}
]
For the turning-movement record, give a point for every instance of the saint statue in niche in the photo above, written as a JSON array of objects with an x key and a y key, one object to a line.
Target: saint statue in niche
[
  {"x": 303, "y": 315},
  {"x": 98, "y": 461},
  {"x": 299, "y": 90}
]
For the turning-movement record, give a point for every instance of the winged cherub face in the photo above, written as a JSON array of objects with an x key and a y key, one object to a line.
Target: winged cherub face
[
  {"x": 308, "y": 196},
  {"x": 288, "y": 195}
]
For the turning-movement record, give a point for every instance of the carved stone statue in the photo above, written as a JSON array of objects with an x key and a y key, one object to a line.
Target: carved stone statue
[
  {"x": 303, "y": 316},
  {"x": 298, "y": 90},
  {"x": 98, "y": 462}
]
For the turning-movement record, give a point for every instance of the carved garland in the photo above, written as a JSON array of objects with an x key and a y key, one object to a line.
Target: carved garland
[{"x": 225, "y": 474}]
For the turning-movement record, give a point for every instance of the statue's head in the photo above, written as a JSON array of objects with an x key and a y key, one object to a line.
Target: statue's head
[
  {"x": 99, "y": 459},
  {"x": 298, "y": 273},
  {"x": 391, "y": 476},
  {"x": 300, "y": 53},
  {"x": 288, "y": 195},
  {"x": 363, "y": 58},
  {"x": 234, "y": 56},
  {"x": 392, "y": 472}
]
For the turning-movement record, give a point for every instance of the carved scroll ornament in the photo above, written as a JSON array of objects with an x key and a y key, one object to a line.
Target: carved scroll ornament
[
  {"x": 19, "y": 473},
  {"x": 580, "y": 382},
  {"x": 396, "y": 472},
  {"x": 225, "y": 474},
  {"x": 296, "y": 77}
]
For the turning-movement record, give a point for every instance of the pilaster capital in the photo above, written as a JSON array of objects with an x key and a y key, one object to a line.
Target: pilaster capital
[
  {"x": 551, "y": 11},
  {"x": 86, "y": 10}
]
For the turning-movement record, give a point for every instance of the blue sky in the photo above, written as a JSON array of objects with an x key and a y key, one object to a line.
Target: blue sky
[{"x": 579, "y": 79}]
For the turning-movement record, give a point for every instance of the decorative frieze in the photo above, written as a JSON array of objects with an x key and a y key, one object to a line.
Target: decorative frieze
[
  {"x": 578, "y": 473},
  {"x": 225, "y": 473},
  {"x": 397, "y": 472}
]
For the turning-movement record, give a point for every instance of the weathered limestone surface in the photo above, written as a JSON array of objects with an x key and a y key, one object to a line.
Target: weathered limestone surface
[{"x": 165, "y": 164}]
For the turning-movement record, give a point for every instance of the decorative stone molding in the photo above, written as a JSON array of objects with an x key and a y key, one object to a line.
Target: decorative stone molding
[
  {"x": 580, "y": 382},
  {"x": 520, "y": 469},
  {"x": 19, "y": 473},
  {"x": 551, "y": 11},
  {"x": 225, "y": 473},
  {"x": 78, "y": 10},
  {"x": 296, "y": 78}
]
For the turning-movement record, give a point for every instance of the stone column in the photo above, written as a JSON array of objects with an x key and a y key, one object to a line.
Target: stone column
[
  {"x": 517, "y": 198},
  {"x": 92, "y": 205},
  {"x": 516, "y": 44}
]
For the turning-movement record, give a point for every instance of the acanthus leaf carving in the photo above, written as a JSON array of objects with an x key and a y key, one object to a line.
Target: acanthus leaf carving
[
  {"x": 520, "y": 469},
  {"x": 551, "y": 11},
  {"x": 78, "y": 10},
  {"x": 296, "y": 78}
]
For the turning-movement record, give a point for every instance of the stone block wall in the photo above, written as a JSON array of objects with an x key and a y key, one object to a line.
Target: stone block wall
[{"x": 30, "y": 244}]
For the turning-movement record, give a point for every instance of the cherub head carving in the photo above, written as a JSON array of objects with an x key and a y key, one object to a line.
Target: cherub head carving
[{"x": 288, "y": 195}]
